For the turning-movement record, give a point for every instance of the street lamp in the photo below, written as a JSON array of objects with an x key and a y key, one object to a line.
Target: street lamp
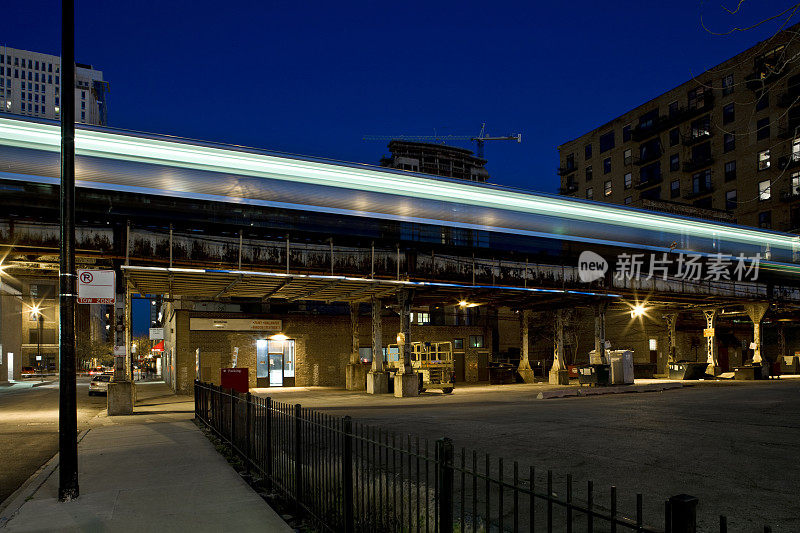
[{"x": 41, "y": 330}]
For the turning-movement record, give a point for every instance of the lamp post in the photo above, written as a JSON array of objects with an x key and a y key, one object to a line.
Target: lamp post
[{"x": 40, "y": 318}]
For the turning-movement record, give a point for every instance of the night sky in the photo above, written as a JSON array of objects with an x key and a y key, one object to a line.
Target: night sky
[{"x": 314, "y": 77}]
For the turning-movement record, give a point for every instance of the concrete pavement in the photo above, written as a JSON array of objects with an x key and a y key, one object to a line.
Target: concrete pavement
[
  {"x": 731, "y": 444},
  {"x": 152, "y": 471}
]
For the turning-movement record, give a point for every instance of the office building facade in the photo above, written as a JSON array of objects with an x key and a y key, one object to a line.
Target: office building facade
[{"x": 30, "y": 85}]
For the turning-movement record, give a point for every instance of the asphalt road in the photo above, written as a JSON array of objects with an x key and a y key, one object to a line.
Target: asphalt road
[
  {"x": 734, "y": 446},
  {"x": 29, "y": 429}
]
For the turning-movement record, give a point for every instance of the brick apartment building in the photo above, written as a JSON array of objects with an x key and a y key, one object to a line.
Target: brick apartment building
[{"x": 724, "y": 145}]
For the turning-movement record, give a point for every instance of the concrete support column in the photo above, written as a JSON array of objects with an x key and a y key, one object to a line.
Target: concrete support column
[
  {"x": 355, "y": 378},
  {"x": 525, "y": 369},
  {"x": 558, "y": 372},
  {"x": 377, "y": 377},
  {"x": 670, "y": 319},
  {"x": 711, "y": 342},
  {"x": 121, "y": 394},
  {"x": 406, "y": 382},
  {"x": 600, "y": 331},
  {"x": 756, "y": 312}
]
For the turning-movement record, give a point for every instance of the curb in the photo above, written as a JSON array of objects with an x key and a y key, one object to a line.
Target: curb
[
  {"x": 11, "y": 505},
  {"x": 599, "y": 391}
]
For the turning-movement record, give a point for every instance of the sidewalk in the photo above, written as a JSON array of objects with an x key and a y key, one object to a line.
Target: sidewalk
[
  {"x": 15, "y": 386},
  {"x": 153, "y": 471}
]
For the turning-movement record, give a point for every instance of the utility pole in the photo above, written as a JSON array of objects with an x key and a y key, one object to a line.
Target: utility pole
[{"x": 67, "y": 400}]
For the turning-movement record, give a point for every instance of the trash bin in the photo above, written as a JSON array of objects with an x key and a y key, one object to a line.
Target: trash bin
[
  {"x": 621, "y": 367},
  {"x": 501, "y": 373},
  {"x": 687, "y": 370},
  {"x": 597, "y": 374}
]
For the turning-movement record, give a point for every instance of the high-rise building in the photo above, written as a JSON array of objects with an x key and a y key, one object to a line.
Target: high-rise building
[
  {"x": 30, "y": 84},
  {"x": 724, "y": 145},
  {"x": 436, "y": 159}
]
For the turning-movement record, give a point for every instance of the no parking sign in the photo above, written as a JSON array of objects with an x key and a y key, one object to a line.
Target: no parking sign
[{"x": 97, "y": 286}]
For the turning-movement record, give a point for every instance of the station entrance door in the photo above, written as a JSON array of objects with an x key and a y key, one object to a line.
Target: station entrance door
[{"x": 275, "y": 362}]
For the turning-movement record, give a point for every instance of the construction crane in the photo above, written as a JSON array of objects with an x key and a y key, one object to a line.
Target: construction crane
[{"x": 479, "y": 140}]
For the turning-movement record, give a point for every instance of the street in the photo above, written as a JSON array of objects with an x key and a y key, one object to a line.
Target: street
[{"x": 29, "y": 429}]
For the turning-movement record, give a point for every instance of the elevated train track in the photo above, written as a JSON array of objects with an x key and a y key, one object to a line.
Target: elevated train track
[{"x": 200, "y": 205}]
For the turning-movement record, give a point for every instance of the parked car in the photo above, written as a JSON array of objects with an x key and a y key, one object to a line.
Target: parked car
[
  {"x": 28, "y": 370},
  {"x": 99, "y": 384}
]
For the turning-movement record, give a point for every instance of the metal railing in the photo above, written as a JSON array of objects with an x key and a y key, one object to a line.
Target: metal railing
[{"x": 347, "y": 476}]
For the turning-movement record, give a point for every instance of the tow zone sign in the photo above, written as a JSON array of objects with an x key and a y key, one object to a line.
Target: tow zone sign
[{"x": 97, "y": 286}]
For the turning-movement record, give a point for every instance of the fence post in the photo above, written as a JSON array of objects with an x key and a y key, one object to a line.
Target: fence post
[
  {"x": 444, "y": 472},
  {"x": 248, "y": 429},
  {"x": 233, "y": 419},
  {"x": 298, "y": 456},
  {"x": 268, "y": 444},
  {"x": 683, "y": 511},
  {"x": 347, "y": 473}
]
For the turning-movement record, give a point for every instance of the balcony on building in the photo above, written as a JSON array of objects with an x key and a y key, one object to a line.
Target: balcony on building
[
  {"x": 695, "y": 137},
  {"x": 652, "y": 127},
  {"x": 790, "y": 130},
  {"x": 569, "y": 188},
  {"x": 649, "y": 182},
  {"x": 700, "y": 191},
  {"x": 563, "y": 171},
  {"x": 788, "y": 99},
  {"x": 700, "y": 105},
  {"x": 682, "y": 209},
  {"x": 762, "y": 76},
  {"x": 787, "y": 162},
  {"x": 647, "y": 158},
  {"x": 697, "y": 164},
  {"x": 792, "y": 195}
]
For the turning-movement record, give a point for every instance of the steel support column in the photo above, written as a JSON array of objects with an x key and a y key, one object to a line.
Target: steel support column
[
  {"x": 377, "y": 377},
  {"x": 711, "y": 341},
  {"x": 558, "y": 372},
  {"x": 756, "y": 313},
  {"x": 355, "y": 377},
  {"x": 670, "y": 319},
  {"x": 525, "y": 369},
  {"x": 406, "y": 382},
  {"x": 600, "y": 331}
]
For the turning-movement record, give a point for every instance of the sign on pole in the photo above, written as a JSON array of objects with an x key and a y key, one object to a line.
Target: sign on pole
[
  {"x": 96, "y": 286},
  {"x": 156, "y": 334},
  {"x": 708, "y": 332}
]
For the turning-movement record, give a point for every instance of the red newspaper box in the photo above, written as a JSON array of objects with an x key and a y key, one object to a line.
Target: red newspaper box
[{"x": 235, "y": 378}]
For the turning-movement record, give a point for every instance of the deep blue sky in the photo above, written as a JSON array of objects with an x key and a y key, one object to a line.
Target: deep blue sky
[{"x": 314, "y": 77}]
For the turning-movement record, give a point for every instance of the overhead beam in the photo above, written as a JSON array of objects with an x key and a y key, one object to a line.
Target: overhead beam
[
  {"x": 349, "y": 296},
  {"x": 314, "y": 291},
  {"x": 228, "y": 287},
  {"x": 277, "y": 289}
]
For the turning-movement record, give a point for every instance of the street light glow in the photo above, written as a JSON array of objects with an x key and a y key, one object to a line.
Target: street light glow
[{"x": 638, "y": 311}]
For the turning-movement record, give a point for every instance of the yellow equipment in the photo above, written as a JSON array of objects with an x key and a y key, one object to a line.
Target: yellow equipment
[{"x": 432, "y": 360}]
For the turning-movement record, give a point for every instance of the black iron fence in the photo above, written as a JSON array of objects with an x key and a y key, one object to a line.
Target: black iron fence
[{"x": 347, "y": 476}]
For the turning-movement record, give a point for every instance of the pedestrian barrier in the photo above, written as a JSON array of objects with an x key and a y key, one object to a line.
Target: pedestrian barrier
[{"x": 347, "y": 476}]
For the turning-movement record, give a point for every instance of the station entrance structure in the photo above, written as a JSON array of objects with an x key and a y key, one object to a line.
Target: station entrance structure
[{"x": 319, "y": 346}]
